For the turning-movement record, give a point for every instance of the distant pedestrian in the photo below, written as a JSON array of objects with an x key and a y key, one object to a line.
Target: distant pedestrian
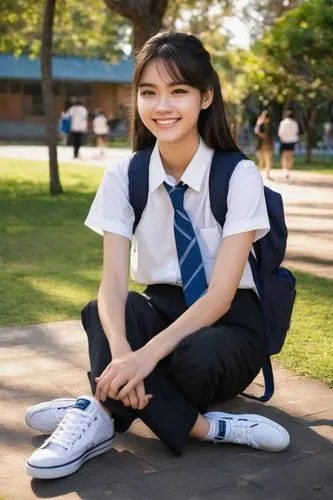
[
  {"x": 65, "y": 123},
  {"x": 265, "y": 146},
  {"x": 101, "y": 131},
  {"x": 288, "y": 134},
  {"x": 328, "y": 135},
  {"x": 79, "y": 125}
]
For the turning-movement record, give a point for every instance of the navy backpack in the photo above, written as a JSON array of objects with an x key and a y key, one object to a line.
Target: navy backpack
[{"x": 275, "y": 284}]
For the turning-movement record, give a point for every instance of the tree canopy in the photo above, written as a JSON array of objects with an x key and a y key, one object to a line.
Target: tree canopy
[{"x": 82, "y": 29}]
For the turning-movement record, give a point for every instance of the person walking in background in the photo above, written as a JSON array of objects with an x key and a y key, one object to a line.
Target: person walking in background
[
  {"x": 288, "y": 133},
  {"x": 101, "y": 131},
  {"x": 65, "y": 123},
  {"x": 328, "y": 136},
  {"x": 78, "y": 115},
  {"x": 265, "y": 146}
]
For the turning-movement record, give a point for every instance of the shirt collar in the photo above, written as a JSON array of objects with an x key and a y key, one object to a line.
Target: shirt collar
[{"x": 193, "y": 174}]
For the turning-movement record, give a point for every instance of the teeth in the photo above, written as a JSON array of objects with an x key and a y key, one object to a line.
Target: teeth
[{"x": 166, "y": 122}]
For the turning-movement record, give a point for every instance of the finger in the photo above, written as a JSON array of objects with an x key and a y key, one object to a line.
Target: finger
[
  {"x": 127, "y": 387},
  {"x": 105, "y": 372},
  {"x": 99, "y": 386},
  {"x": 147, "y": 399},
  {"x": 141, "y": 395},
  {"x": 126, "y": 402},
  {"x": 132, "y": 396},
  {"x": 104, "y": 390},
  {"x": 117, "y": 383}
]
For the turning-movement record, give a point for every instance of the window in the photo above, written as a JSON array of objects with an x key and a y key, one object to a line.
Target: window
[
  {"x": 34, "y": 90},
  {"x": 15, "y": 87},
  {"x": 4, "y": 87},
  {"x": 37, "y": 107},
  {"x": 77, "y": 89}
]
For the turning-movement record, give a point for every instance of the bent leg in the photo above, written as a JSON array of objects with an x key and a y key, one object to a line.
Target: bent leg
[
  {"x": 219, "y": 362},
  {"x": 168, "y": 413}
]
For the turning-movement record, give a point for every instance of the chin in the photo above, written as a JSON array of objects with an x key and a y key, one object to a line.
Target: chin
[{"x": 170, "y": 135}]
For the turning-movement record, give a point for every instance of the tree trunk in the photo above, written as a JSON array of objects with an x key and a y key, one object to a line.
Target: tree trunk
[
  {"x": 310, "y": 131},
  {"x": 51, "y": 126},
  {"x": 144, "y": 30},
  {"x": 146, "y": 17}
]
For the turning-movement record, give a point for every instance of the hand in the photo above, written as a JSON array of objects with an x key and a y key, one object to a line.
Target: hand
[
  {"x": 136, "y": 398},
  {"x": 125, "y": 374}
]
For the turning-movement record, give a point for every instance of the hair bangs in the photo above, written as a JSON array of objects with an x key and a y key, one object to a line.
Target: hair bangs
[
  {"x": 178, "y": 66},
  {"x": 182, "y": 66}
]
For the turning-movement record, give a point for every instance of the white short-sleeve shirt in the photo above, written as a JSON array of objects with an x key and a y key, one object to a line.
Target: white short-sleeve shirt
[{"x": 153, "y": 251}]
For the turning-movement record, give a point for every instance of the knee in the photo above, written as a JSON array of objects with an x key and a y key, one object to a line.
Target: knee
[
  {"x": 133, "y": 302},
  {"x": 195, "y": 355}
]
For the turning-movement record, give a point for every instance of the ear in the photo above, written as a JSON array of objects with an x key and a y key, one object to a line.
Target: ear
[{"x": 207, "y": 98}]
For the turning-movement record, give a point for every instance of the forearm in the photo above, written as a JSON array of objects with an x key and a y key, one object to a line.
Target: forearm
[
  {"x": 204, "y": 312},
  {"x": 111, "y": 309}
]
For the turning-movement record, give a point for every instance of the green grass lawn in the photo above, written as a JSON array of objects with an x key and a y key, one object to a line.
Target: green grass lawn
[{"x": 51, "y": 263}]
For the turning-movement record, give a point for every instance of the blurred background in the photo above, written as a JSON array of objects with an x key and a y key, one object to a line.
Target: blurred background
[{"x": 270, "y": 54}]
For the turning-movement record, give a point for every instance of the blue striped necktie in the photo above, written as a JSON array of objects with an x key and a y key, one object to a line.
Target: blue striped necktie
[{"x": 190, "y": 261}]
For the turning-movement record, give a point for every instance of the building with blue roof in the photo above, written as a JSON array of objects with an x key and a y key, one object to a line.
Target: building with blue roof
[{"x": 98, "y": 83}]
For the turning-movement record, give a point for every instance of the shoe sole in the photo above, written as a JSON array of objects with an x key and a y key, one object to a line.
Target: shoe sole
[
  {"x": 70, "y": 467},
  {"x": 40, "y": 427},
  {"x": 258, "y": 418}
]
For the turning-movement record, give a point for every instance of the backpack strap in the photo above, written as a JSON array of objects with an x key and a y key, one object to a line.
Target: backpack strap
[
  {"x": 222, "y": 168},
  {"x": 138, "y": 182},
  {"x": 267, "y": 371}
]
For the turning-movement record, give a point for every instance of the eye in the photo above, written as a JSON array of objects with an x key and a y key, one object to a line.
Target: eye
[
  {"x": 146, "y": 93},
  {"x": 180, "y": 91}
]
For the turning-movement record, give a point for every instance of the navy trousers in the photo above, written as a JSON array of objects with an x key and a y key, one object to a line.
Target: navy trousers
[{"x": 211, "y": 365}]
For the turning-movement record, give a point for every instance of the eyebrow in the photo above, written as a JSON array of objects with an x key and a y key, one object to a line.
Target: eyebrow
[{"x": 172, "y": 84}]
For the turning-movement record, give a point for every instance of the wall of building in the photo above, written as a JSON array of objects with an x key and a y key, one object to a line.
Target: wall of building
[{"x": 24, "y": 105}]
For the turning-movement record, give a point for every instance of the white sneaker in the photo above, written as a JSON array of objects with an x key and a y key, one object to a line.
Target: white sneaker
[
  {"x": 252, "y": 430},
  {"x": 85, "y": 432},
  {"x": 45, "y": 417}
]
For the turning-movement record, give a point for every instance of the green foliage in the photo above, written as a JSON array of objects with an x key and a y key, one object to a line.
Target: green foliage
[
  {"x": 197, "y": 16},
  {"x": 83, "y": 29},
  {"x": 259, "y": 15},
  {"x": 299, "y": 48}
]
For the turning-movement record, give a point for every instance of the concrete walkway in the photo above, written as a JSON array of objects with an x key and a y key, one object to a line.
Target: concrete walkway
[
  {"x": 43, "y": 362},
  {"x": 308, "y": 200}
]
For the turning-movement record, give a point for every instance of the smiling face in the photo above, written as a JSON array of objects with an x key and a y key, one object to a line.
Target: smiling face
[{"x": 168, "y": 108}]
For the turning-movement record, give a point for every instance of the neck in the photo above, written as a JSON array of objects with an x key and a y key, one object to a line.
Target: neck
[{"x": 177, "y": 156}]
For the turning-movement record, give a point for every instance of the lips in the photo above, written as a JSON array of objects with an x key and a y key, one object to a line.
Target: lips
[{"x": 166, "y": 122}]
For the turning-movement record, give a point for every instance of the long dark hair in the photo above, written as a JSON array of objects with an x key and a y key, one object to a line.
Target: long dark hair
[{"x": 185, "y": 58}]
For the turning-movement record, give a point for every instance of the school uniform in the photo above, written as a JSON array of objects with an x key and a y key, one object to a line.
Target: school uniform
[
  {"x": 78, "y": 115},
  {"x": 288, "y": 133},
  {"x": 215, "y": 363}
]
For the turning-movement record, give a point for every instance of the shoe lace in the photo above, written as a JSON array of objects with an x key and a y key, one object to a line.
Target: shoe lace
[
  {"x": 60, "y": 413},
  {"x": 71, "y": 428},
  {"x": 241, "y": 433}
]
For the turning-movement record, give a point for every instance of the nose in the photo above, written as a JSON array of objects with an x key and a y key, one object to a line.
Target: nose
[{"x": 163, "y": 105}]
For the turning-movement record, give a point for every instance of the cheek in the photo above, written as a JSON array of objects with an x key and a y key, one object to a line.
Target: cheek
[
  {"x": 189, "y": 107},
  {"x": 145, "y": 108}
]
